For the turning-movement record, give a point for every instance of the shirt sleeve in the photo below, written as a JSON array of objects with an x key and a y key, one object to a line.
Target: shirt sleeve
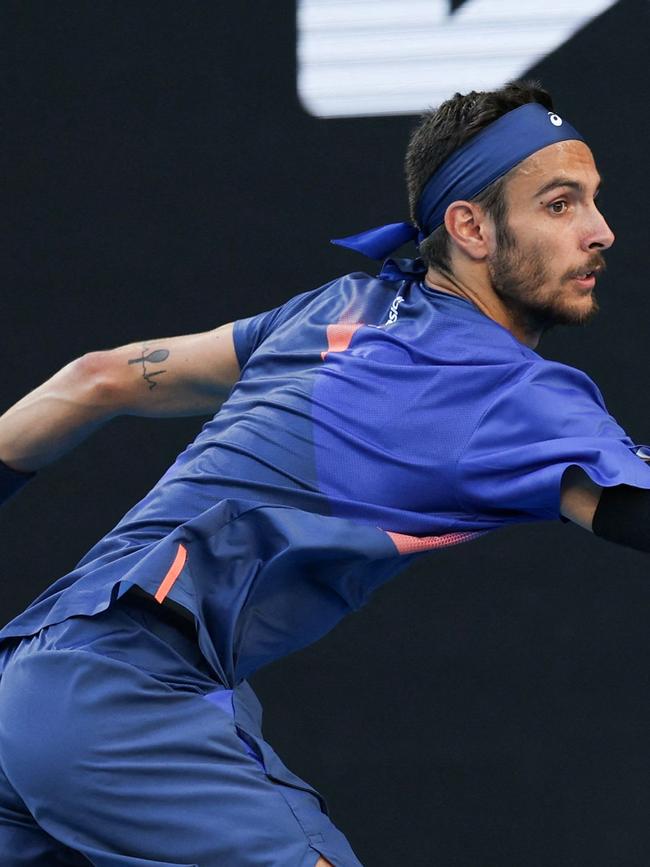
[
  {"x": 250, "y": 333},
  {"x": 552, "y": 418}
]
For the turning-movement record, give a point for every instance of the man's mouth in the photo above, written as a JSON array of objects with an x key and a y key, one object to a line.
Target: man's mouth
[
  {"x": 590, "y": 270},
  {"x": 587, "y": 279}
]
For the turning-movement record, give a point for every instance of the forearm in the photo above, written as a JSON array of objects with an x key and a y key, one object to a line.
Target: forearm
[{"x": 56, "y": 416}]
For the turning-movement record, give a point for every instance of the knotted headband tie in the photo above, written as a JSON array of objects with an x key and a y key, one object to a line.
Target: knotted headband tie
[{"x": 471, "y": 168}]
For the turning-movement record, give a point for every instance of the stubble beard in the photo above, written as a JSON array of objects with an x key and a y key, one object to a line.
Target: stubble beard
[{"x": 518, "y": 276}]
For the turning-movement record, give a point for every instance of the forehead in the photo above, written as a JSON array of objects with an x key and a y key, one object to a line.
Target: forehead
[{"x": 571, "y": 160}]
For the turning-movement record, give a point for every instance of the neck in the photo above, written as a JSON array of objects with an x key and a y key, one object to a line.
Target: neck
[{"x": 477, "y": 289}]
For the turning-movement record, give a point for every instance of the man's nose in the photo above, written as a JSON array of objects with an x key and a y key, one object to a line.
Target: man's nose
[{"x": 598, "y": 236}]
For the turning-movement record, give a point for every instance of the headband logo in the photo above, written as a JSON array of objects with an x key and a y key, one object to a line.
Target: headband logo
[{"x": 555, "y": 119}]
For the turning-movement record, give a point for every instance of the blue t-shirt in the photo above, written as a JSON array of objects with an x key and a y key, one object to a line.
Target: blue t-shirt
[{"x": 375, "y": 419}]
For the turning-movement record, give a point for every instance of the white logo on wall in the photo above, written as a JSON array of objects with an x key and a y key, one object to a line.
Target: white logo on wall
[{"x": 368, "y": 57}]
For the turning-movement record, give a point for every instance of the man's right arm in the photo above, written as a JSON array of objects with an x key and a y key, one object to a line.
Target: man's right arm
[
  {"x": 620, "y": 514},
  {"x": 579, "y": 497},
  {"x": 551, "y": 429},
  {"x": 177, "y": 376}
]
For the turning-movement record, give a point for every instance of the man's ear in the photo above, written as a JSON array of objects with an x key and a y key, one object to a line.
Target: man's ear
[{"x": 470, "y": 228}]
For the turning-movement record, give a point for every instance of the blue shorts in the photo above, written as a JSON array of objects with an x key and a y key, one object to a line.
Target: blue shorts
[{"x": 119, "y": 747}]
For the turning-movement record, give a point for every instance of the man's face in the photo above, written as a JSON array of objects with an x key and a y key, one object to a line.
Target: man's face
[{"x": 548, "y": 254}]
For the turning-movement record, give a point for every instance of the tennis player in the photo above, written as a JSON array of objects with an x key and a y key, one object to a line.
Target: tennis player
[{"x": 366, "y": 422}]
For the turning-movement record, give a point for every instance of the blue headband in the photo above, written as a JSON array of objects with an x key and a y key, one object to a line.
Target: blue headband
[{"x": 469, "y": 170}]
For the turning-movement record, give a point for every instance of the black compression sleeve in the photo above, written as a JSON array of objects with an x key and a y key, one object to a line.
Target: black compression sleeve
[
  {"x": 11, "y": 481},
  {"x": 623, "y": 516}
]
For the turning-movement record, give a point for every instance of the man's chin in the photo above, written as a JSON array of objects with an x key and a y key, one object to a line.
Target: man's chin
[
  {"x": 583, "y": 313},
  {"x": 578, "y": 313}
]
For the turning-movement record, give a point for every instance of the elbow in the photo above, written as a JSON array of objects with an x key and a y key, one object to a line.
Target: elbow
[{"x": 96, "y": 381}]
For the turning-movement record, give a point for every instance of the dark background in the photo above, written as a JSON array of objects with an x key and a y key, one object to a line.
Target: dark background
[{"x": 492, "y": 706}]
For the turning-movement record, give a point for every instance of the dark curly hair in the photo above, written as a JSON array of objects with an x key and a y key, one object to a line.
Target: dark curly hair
[{"x": 444, "y": 129}]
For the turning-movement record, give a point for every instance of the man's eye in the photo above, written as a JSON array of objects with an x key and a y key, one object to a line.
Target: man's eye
[{"x": 558, "y": 207}]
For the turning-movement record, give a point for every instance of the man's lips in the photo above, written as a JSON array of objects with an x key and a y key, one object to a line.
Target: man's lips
[
  {"x": 586, "y": 281},
  {"x": 587, "y": 278}
]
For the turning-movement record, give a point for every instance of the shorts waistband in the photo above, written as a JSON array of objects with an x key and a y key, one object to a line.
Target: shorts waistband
[{"x": 168, "y": 612}]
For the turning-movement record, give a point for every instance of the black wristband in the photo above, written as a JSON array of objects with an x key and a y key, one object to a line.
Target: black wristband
[
  {"x": 623, "y": 516},
  {"x": 11, "y": 481}
]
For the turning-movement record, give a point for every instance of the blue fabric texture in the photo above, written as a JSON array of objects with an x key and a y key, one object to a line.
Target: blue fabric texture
[
  {"x": 374, "y": 418},
  {"x": 117, "y": 744}
]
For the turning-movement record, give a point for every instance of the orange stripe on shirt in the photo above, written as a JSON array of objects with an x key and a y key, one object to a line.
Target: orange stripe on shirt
[
  {"x": 174, "y": 571},
  {"x": 339, "y": 336},
  {"x": 412, "y": 544}
]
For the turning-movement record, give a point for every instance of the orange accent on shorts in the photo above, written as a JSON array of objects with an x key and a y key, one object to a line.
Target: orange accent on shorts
[
  {"x": 412, "y": 544},
  {"x": 174, "y": 571},
  {"x": 339, "y": 336}
]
